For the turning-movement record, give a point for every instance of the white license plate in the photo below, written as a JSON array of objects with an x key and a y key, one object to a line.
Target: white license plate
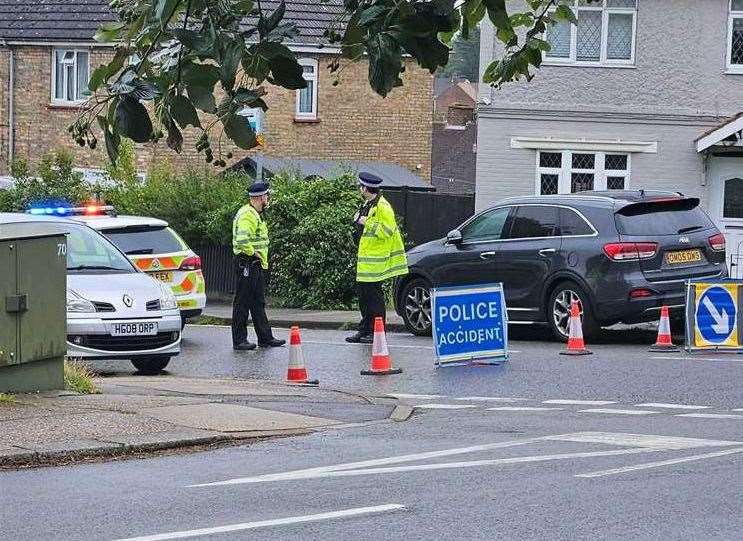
[{"x": 139, "y": 328}]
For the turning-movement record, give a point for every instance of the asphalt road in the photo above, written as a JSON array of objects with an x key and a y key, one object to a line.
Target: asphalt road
[{"x": 622, "y": 444}]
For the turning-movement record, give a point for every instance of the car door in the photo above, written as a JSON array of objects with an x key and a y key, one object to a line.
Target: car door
[
  {"x": 529, "y": 254},
  {"x": 474, "y": 259}
]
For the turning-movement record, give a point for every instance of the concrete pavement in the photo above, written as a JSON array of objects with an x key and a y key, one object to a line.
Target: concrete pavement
[{"x": 137, "y": 414}]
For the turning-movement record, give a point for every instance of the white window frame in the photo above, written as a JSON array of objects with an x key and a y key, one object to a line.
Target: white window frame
[
  {"x": 314, "y": 78},
  {"x": 564, "y": 173},
  {"x": 572, "y": 60},
  {"x": 63, "y": 51},
  {"x": 732, "y": 15}
]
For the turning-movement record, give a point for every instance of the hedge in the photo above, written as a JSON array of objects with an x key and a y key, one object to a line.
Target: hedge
[{"x": 312, "y": 248}]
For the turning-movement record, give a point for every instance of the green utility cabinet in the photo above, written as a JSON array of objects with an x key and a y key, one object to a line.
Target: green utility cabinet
[{"x": 33, "y": 326}]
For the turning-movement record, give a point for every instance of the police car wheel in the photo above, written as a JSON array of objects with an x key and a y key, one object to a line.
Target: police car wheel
[
  {"x": 558, "y": 311},
  {"x": 151, "y": 364},
  {"x": 416, "y": 307}
]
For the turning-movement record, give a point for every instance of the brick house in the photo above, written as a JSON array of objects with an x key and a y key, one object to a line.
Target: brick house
[
  {"x": 47, "y": 53},
  {"x": 454, "y": 142}
]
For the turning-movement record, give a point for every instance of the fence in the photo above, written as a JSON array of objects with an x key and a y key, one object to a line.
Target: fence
[
  {"x": 425, "y": 216},
  {"x": 429, "y": 215}
]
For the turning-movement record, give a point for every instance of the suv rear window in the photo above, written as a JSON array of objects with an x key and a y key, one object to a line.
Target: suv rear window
[
  {"x": 145, "y": 240},
  {"x": 662, "y": 218}
]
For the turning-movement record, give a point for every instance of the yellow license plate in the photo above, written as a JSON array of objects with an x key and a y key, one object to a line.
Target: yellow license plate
[
  {"x": 685, "y": 256},
  {"x": 163, "y": 276}
]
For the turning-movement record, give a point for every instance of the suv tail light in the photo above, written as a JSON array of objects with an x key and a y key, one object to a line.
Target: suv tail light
[
  {"x": 191, "y": 263},
  {"x": 630, "y": 251},
  {"x": 717, "y": 242}
]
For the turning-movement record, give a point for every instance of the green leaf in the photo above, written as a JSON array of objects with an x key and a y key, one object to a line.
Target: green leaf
[
  {"x": 194, "y": 41},
  {"x": 272, "y": 49},
  {"x": 231, "y": 56},
  {"x": 112, "y": 141},
  {"x": 369, "y": 15},
  {"x": 175, "y": 138},
  {"x": 564, "y": 13},
  {"x": 183, "y": 112},
  {"x": 384, "y": 63},
  {"x": 244, "y": 6},
  {"x": 109, "y": 32},
  {"x": 133, "y": 121},
  {"x": 202, "y": 97},
  {"x": 352, "y": 44},
  {"x": 267, "y": 24},
  {"x": 145, "y": 90},
  {"x": 200, "y": 80},
  {"x": 164, "y": 9},
  {"x": 98, "y": 77},
  {"x": 287, "y": 72},
  {"x": 238, "y": 129}
]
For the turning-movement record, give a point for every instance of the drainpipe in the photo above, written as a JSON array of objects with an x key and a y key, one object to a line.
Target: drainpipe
[{"x": 11, "y": 102}]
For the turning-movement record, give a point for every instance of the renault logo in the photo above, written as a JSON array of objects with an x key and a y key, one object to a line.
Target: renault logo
[
  {"x": 684, "y": 240},
  {"x": 155, "y": 263},
  {"x": 128, "y": 301}
]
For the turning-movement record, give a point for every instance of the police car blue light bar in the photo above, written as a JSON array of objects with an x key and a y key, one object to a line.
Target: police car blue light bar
[{"x": 88, "y": 210}]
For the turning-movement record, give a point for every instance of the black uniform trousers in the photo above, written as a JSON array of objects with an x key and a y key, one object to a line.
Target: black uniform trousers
[
  {"x": 371, "y": 304},
  {"x": 250, "y": 298}
]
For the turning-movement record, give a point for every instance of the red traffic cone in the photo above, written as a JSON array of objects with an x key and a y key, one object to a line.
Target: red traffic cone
[
  {"x": 381, "y": 364},
  {"x": 664, "y": 342},
  {"x": 297, "y": 373},
  {"x": 576, "y": 345}
]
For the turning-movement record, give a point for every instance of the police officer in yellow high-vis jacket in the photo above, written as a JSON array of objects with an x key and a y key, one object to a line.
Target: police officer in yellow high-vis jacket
[
  {"x": 250, "y": 245},
  {"x": 381, "y": 254}
]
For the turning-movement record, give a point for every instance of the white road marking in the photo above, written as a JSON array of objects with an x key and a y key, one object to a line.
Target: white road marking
[
  {"x": 640, "y": 440},
  {"x": 490, "y": 399},
  {"x": 268, "y": 523},
  {"x": 522, "y": 408},
  {"x": 444, "y": 406},
  {"x": 373, "y": 462},
  {"x": 670, "y": 406},
  {"x": 416, "y": 396},
  {"x": 710, "y": 415},
  {"x": 660, "y": 463},
  {"x": 737, "y": 409},
  {"x": 692, "y": 358},
  {"x": 579, "y": 402},
  {"x": 613, "y": 411}
]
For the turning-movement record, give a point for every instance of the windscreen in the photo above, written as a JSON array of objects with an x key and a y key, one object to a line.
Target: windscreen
[
  {"x": 657, "y": 218},
  {"x": 145, "y": 240}
]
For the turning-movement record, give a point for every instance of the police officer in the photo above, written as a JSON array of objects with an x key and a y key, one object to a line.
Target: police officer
[
  {"x": 381, "y": 254},
  {"x": 250, "y": 245}
]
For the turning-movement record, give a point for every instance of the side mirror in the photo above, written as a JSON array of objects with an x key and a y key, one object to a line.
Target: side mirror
[{"x": 454, "y": 237}]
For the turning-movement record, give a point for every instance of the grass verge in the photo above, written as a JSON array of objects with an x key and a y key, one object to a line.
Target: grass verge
[
  {"x": 79, "y": 378},
  {"x": 7, "y": 399}
]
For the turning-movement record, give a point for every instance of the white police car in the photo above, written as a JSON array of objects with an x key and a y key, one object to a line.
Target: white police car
[{"x": 114, "y": 311}]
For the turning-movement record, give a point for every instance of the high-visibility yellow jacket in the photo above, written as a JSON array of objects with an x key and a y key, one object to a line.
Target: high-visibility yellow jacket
[
  {"x": 250, "y": 234},
  {"x": 381, "y": 249}
]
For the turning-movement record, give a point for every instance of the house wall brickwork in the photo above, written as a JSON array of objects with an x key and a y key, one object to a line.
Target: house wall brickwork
[{"x": 353, "y": 122}]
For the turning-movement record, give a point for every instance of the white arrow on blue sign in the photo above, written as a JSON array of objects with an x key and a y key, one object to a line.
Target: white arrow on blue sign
[{"x": 716, "y": 315}]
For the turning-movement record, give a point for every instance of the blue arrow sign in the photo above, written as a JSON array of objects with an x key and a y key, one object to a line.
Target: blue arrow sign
[{"x": 716, "y": 315}]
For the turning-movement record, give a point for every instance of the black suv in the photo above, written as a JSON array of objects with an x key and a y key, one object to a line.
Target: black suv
[{"x": 620, "y": 254}]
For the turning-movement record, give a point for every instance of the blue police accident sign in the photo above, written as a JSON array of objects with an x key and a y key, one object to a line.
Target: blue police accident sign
[
  {"x": 469, "y": 324},
  {"x": 715, "y": 318}
]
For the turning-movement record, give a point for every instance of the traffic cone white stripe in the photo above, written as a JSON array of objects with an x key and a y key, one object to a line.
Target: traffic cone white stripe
[
  {"x": 296, "y": 372},
  {"x": 576, "y": 345},
  {"x": 381, "y": 363},
  {"x": 664, "y": 341}
]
